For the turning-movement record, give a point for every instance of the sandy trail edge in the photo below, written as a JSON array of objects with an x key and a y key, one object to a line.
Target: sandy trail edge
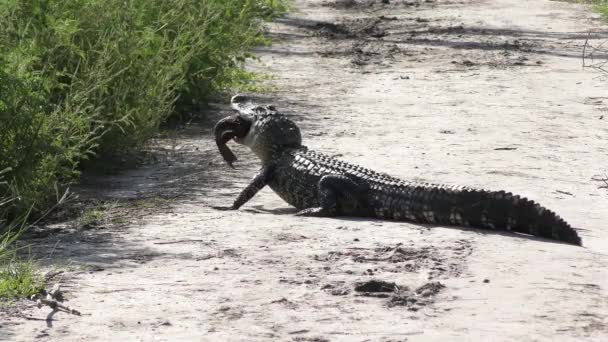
[{"x": 429, "y": 95}]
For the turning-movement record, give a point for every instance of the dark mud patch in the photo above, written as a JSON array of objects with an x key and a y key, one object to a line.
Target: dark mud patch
[
  {"x": 299, "y": 280},
  {"x": 369, "y": 53},
  {"x": 500, "y": 60},
  {"x": 285, "y": 303},
  {"x": 398, "y": 295},
  {"x": 465, "y": 37},
  {"x": 397, "y": 254},
  {"x": 354, "y": 4},
  {"x": 289, "y": 237},
  {"x": 229, "y": 313},
  {"x": 338, "y": 288},
  {"x": 376, "y": 286},
  {"x": 330, "y": 30},
  {"x": 381, "y": 263},
  {"x": 435, "y": 262},
  {"x": 383, "y": 39},
  {"x": 310, "y": 339},
  {"x": 389, "y": 4},
  {"x": 417, "y": 299},
  {"x": 363, "y": 53},
  {"x": 351, "y": 28},
  {"x": 429, "y": 289}
]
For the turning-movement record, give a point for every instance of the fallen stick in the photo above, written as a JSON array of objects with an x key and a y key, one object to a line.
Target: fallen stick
[
  {"x": 52, "y": 300},
  {"x": 603, "y": 179},
  {"x": 178, "y": 241}
]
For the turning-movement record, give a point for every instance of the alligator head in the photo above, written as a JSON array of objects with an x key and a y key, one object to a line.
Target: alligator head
[{"x": 261, "y": 128}]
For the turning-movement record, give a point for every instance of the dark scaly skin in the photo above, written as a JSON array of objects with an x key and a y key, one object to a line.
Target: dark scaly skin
[{"x": 323, "y": 186}]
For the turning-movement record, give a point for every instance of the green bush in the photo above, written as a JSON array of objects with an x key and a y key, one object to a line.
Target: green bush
[{"x": 80, "y": 78}]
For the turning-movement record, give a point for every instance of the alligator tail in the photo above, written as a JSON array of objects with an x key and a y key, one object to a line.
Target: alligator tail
[
  {"x": 502, "y": 210},
  {"x": 459, "y": 206}
]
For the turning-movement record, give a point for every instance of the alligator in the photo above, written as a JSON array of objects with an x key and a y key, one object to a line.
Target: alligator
[{"x": 319, "y": 185}]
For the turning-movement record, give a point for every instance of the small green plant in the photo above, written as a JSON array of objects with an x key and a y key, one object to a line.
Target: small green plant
[
  {"x": 19, "y": 278},
  {"x": 92, "y": 217},
  {"x": 148, "y": 203},
  {"x": 119, "y": 220},
  {"x": 603, "y": 9},
  {"x": 601, "y": 6}
]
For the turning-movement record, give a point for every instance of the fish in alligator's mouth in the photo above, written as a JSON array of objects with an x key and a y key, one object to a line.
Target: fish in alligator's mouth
[{"x": 232, "y": 127}]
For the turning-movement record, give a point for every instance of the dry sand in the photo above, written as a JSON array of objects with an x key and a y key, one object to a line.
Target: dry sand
[{"x": 481, "y": 93}]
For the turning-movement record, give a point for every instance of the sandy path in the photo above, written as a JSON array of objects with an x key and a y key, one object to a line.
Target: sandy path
[{"x": 434, "y": 92}]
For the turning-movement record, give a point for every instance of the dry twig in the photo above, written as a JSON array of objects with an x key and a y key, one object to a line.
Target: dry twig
[
  {"x": 53, "y": 300},
  {"x": 178, "y": 241},
  {"x": 603, "y": 179},
  {"x": 595, "y": 56}
]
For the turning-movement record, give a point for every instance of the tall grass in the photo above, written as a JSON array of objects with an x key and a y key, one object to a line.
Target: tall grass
[
  {"x": 89, "y": 78},
  {"x": 18, "y": 278}
]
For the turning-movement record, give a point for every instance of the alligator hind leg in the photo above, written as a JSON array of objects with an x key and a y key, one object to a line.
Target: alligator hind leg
[{"x": 336, "y": 194}]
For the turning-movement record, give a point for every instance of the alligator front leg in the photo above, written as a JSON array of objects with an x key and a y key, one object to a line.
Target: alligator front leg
[
  {"x": 257, "y": 183},
  {"x": 336, "y": 193}
]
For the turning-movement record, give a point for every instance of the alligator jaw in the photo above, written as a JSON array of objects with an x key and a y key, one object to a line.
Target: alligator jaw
[{"x": 232, "y": 127}]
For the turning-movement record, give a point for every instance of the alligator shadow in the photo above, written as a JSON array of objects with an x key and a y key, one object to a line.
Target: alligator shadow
[
  {"x": 259, "y": 209},
  {"x": 478, "y": 231}
]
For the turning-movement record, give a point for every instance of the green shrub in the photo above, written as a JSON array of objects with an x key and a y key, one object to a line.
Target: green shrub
[{"x": 95, "y": 77}]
